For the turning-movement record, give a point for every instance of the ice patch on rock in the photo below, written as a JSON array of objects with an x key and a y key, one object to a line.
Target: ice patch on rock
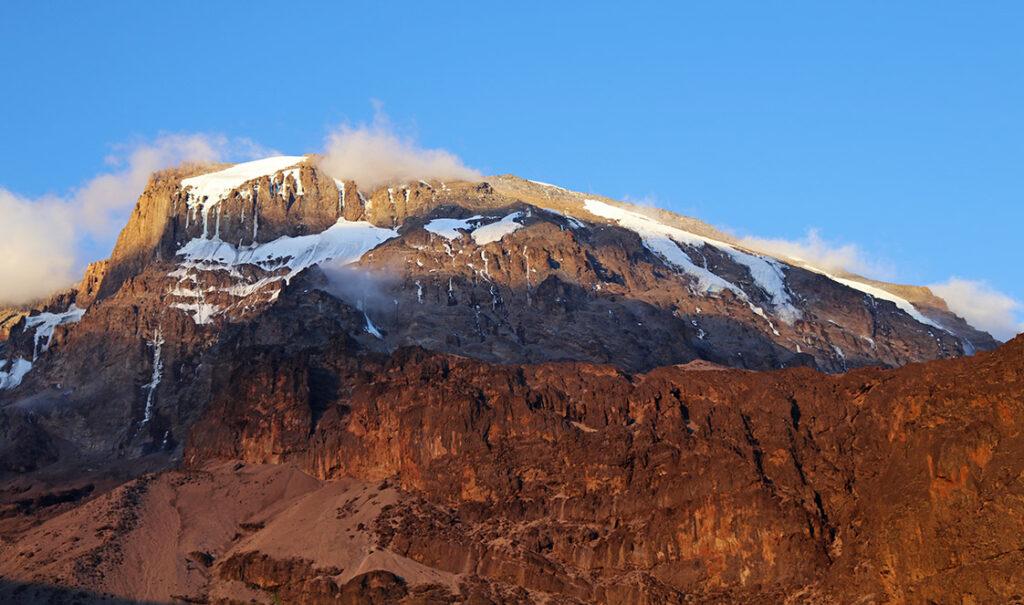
[
  {"x": 495, "y": 231},
  {"x": 158, "y": 367},
  {"x": 451, "y": 228},
  {"x": 13, "y": 377},
  {"x": 201, "y": 312},
  {"x": 45, "y": 323},
  {"x": 344, "y": 241},
  {"x": 279, "y": 260}
]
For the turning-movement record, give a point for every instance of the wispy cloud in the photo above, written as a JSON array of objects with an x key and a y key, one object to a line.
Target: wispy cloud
[
  {"x": 375, "y": 154},
  {"x": 982, "y": 306},
  {"x": 39, "y": 238},
  {"x": 37, "y": 242},
  {"x": 815, "y": 250}
]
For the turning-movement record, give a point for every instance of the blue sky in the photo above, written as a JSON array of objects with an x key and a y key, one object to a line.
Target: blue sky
[{"x": 898, "y": 127}]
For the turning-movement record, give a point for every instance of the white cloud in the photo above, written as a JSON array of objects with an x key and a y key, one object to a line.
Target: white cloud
[
  {"x": 36, "y": 247},
  {"x": 104, "y": 202},
  {"x": 39, "y": 238},
  {"x": 816, "y": 251},
  {"x": 982, "y": 306},
  {"x": 375, "y": 155}
]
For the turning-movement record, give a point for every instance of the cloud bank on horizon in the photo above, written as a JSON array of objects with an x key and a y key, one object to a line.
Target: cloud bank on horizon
[{"x": 40, "y": 238}]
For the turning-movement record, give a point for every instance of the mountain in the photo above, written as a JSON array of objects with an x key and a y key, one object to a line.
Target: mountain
[{"x": 282, "y": 386}]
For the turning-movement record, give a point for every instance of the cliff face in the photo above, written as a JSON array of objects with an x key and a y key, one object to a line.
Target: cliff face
[
  {"x": 575, "y": 483},
  {"x": 887, "y": 485}
]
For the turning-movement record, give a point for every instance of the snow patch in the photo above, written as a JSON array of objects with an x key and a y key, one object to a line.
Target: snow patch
[
  {"x": 344, "y": 241},
  {"x": 45, "y": 323},
  {"x": 372, "y": 329},
  {"x": 574, "y": 222},
  {"x": 495, "y": 231},
  {"x": 14, "y": 376},
  {"x": 451, "y": 228}
]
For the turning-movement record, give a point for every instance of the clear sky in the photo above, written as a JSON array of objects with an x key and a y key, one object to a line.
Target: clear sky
[{"x": 897, "y": 127}]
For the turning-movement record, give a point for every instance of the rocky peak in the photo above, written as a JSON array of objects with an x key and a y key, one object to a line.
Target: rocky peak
[
  {"x": 505, "y": 270},
  {"x": 429, "y": 369}
]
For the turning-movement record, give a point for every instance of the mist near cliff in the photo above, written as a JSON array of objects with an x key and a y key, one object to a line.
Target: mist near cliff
[{"x": 361, "y": 288}]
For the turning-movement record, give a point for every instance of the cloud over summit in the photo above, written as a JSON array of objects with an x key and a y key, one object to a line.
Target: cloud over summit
[
  {"x": 814, "y": 250},
  {"x": 982, "y": 306},
  {"x": 375, "y": 155}
]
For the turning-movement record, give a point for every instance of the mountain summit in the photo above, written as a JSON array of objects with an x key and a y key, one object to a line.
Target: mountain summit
[
  {"x": 445, "y": 347},
  {"x": 504, "y": 270}
]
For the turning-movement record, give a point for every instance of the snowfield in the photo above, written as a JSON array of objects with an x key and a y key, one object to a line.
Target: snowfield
[
  {"x": 451, "y": 228},
  {"x": 343, "y": 242},
  {"x": 495, "y": 231}
]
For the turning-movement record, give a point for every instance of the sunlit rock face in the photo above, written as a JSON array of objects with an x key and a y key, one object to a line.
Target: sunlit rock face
[{"x": 564, "y": 379}]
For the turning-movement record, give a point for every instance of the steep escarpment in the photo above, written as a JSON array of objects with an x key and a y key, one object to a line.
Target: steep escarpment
[{"x": 572, "y": 483}]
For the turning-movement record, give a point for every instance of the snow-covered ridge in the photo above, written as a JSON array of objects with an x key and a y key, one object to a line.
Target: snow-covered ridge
[
  {"x": 902, "y": 303},
  {"x": 209, "y": 189},
  {"x": 549, "y": 185},
  {"x": 205, "y": 191},
  {"x": 664, "y": 241},
  {"x": 767, "y": 272}
]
